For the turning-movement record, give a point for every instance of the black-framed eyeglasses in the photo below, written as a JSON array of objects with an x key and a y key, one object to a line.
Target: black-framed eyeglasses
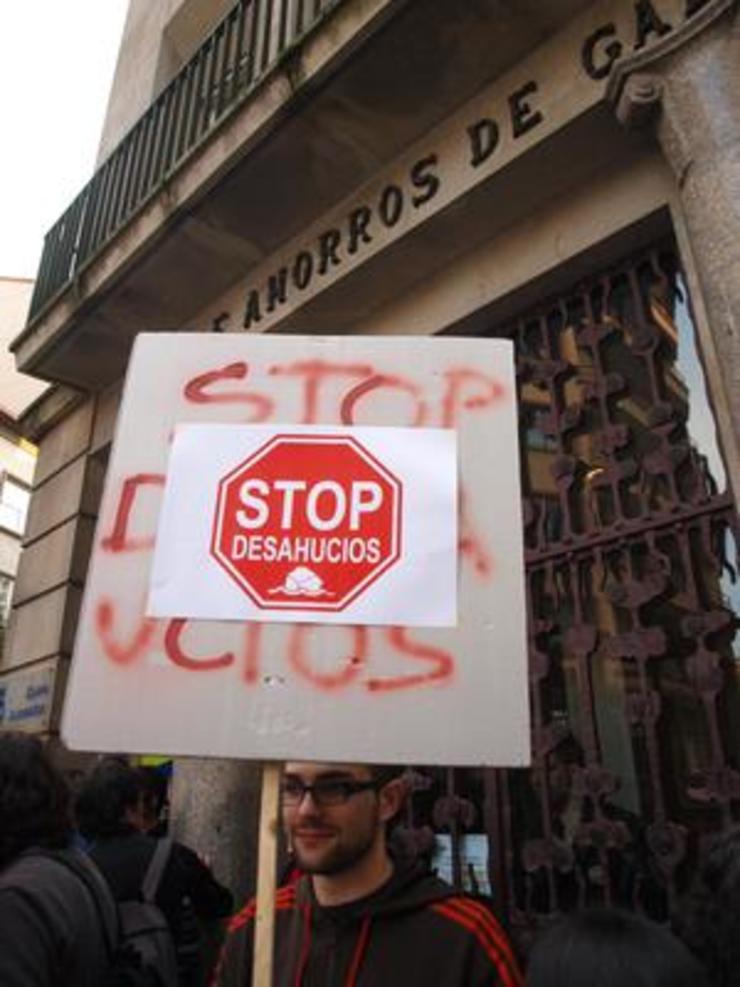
[{"x": 324, "y": 791}]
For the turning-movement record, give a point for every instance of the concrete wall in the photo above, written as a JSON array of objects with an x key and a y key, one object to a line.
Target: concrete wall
[
  {"x": 17, "y": 391},
  {"x": 53, "y": 564},
  {"x": 17, "y": 462}
]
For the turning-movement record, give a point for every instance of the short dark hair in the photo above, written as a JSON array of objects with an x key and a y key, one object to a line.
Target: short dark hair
[
  {"x": 611, "y": 948},
  {"x": 112, "y": 787},
  {"x": 154, "y": 788},
  {"x": 383, "y": 774},
  {"x": 709, "y": 920},
  {"x": 34, "y": 798}
]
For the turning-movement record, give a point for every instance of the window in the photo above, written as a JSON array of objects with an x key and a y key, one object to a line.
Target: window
[
  {"x": 6, "y": 593},
  {"x": 14, "y": 499}
]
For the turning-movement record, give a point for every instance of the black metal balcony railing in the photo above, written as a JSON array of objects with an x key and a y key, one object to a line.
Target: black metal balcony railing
[{"x": 246, "y": 44}]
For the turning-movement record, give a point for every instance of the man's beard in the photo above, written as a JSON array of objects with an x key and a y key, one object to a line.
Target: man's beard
[{"x": 342, "y": 851}]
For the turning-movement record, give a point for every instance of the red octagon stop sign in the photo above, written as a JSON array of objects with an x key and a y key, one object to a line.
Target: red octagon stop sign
[{"x": 308, "y": 522}]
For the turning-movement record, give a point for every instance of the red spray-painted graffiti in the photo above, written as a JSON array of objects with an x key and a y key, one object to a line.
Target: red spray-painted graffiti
[
  {"x": 176, "y": 654},
  {"x": 314, "y": 372},
  {"x": 456, "y": 400},
  {"x": 354, "y": 663},
  {"x": 352, "y": 667},
  {"x": 376, "y": 383},
  {"x": 462, "y": 390},
  {"x": 443, "y": 664},
  {"x": 137, "y": 646},
  {"x": 252, "y": 645},
  {"x": 197, "y": 391},
  {"x": 119, "y": 540}
]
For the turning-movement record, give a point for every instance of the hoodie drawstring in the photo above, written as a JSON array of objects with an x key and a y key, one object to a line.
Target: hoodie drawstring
[
  {"x": 357, "y": 956},
  {"x": 359, "y": 953},
  {"x": 305, "y": 946}
]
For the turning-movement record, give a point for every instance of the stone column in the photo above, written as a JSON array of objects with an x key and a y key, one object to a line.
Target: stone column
[
  {"x": 686, "y": 87},
  {"x": 214, "y": 806}
]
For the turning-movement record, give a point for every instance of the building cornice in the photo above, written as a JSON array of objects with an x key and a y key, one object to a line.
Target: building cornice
[
  {"x": 47, "y": 411},
  {"x": 646, "y": 62}
]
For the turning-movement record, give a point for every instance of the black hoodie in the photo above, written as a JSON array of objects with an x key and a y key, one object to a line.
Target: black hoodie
[
  {"x": 53, "y": 932},
  {"x": 415, "y": 931}
]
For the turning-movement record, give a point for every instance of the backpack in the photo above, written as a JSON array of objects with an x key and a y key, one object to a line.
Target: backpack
[
  {"x": 145, "y": 953},
  {"x": 138, "y": 936}
]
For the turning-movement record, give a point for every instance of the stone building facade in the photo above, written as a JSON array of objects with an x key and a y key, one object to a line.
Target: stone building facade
[
  {"x": 26, "y": 704},
  {"x": 562, "y": 172}
]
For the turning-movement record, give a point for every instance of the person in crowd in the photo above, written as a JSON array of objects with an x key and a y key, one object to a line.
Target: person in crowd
[
  {"x": 610, "y": 947},
  {"x": 357, "y": 917},
  {"x": 53, "y": 931},
  {"x": 155, "y": 801},
  {"x": 709, "y": 921},
  {"x": 113, "y": 815}
]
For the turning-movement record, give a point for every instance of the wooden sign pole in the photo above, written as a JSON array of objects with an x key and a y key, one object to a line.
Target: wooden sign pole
[{"x": 264, "y": 932}]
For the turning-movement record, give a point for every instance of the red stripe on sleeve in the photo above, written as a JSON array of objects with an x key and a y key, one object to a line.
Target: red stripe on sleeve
[
  {"x": 284, "y": 898},
  {"x": 477, "y": 910},
  {"x": 241, "y": 918},
  {"x": 488, "y": 934}
]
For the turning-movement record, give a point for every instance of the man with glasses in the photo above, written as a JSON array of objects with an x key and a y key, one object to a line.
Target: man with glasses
[{"x": 357, "y": 917}]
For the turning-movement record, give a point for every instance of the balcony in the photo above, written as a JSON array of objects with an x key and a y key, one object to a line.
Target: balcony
[
  {"x": 285, "y": 108},
  {"x": 228, "y": 66}
]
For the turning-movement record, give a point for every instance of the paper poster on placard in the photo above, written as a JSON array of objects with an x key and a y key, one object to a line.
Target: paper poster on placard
[
  {"x": 395, "y": 605},
  {"x": 319, "y": 524}
]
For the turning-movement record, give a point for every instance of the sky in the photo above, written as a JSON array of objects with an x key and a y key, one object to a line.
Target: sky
[{"x": 57, "y": 59}]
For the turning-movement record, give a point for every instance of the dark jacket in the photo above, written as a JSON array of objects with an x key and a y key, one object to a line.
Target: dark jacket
[
  {"x": 187, "y": 892},
  {"x": 415, "y": 931},
  {"x": 51, "y": 932}
]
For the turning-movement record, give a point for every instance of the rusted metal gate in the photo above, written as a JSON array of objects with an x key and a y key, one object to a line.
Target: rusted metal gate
[{"x": 631, "y": 545}]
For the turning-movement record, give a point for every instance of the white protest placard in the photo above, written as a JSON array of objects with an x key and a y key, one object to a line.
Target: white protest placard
[
  {"x": 438, "y": 674},
  {"x": 322, "y": 524}
]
